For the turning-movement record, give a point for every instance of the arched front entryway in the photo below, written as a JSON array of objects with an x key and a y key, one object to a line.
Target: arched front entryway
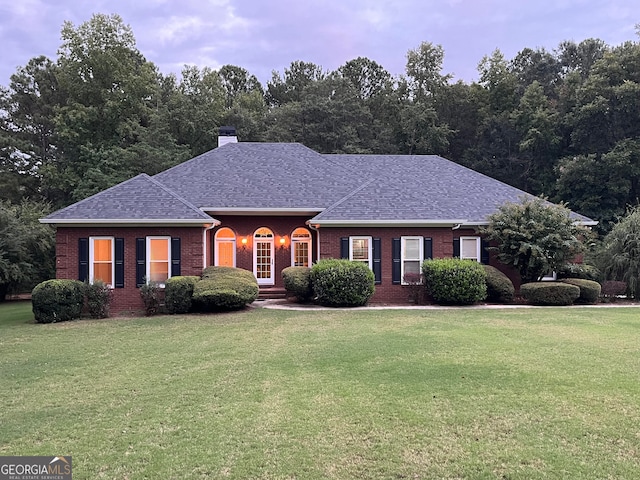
[
  {"x": 263, "y": 261},
  {"x": 225, "y": 248},
  {"x": 301, "y": 248}
]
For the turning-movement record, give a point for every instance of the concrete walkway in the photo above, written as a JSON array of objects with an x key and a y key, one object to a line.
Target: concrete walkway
[{"x": 282, "y": 304}]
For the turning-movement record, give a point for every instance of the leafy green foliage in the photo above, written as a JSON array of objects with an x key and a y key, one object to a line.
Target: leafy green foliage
[
  {"x": 535, "y": 237},
  {"x": 225, "y": 288},
  {"x": 57, "y": 300},
  {"x": 26, "y": 246},
  {"x": 297, "y": 282},
  {"x": 619, "y": 257},
  {"x": 550, "y": 293},
  {"x": 452, "y": 281},
  {"x": 589, "y": 289},
  {"x": 150, "y": 294},
  {"x": 342, "y": 283},
  {"x": 178, "y": 293},
  {"x": 98, "y": 298},
  {"x": 579, "y": 270},
  {"x": 499, "y": 287}
]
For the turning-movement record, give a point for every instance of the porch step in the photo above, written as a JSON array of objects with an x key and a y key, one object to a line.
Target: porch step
[{"x": 272, "y": 292}]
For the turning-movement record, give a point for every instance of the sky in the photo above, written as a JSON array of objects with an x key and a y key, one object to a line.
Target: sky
[{"x": 263, "y": 36}]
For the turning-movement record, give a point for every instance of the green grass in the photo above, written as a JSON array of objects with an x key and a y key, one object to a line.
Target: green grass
[{"x": 398, "y": 394}]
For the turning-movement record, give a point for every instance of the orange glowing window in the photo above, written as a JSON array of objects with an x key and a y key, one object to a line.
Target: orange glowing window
[
  {"x": 101, "y": 260},
  {"x": 301, "y": 251},
  {"x": 158, "y": 259}
]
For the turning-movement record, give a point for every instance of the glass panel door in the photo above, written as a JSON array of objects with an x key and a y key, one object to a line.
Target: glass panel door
[{"x": 263, "y": 256}]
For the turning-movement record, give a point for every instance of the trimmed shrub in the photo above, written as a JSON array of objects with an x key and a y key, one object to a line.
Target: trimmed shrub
[
  {"x": 550, "y": 293},
  {"x": 589, "y": 290},
  {"x": 98, "y": 295},
  {"x": 500, "y": 288},
  {"x": 452, "y": 281},
  {"x": 178, "y": 293},
  {"x": 150, "y": 294},
  {"x": 342, "y": 283},
  {"x": 57, "y": 300},
  {"x": 225, "y": 288},
  {"x": 579, "y": 270},
  {"x": 297, "y": 282}
]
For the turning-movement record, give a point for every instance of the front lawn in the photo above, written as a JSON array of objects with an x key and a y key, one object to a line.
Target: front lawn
[{"x": 416, "y": 394}]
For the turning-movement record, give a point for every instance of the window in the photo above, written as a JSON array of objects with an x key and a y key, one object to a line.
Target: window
[
  {"x": 360, "y": 250},
  {"x": 101, "y": 260},
  {"x": 158, "y": 259},
  {"x": 470, "y": 248},
  {"x": 412, "y": 257},
  {"x": 225, "y": 245},
  {"x": 301, "y": 248}
]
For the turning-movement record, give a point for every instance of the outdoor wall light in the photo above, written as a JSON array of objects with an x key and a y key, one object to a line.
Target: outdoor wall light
[
  {"x": 283, "y": 242},
  {"x": 244, "y": 243}
]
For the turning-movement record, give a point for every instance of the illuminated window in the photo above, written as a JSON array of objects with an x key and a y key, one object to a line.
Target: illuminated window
[
  {"x": 101, "y": 264},
  {"x": 360, "y": 250},
  {"x": 301, "y": 248},
  {"x": 158, "y": 259},
  {"x": 225, "y": 248}
]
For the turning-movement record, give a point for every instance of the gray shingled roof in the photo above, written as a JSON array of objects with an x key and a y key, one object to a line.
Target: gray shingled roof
[
  {"x": 261, "y": 175},
  {"x": 341, "y": 188},
  {"x": 138, "y": 199}
]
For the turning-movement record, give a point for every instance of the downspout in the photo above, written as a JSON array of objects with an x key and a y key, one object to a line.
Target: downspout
[
  {"x": 317, "y": 230},
  {"x": 204, "y": 243},
  {"x": 456, "y": 227}
]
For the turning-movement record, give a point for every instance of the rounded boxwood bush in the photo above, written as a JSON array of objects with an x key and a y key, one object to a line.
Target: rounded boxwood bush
[
  {"x": 99, "y": 296},
  {"x": 178, "y": 293},
  {"x": 452, "y": 281},
  {"x": 57, "y": 300},
  {"x": 500, "y": 288},
  {"x": 589, "y": 290},
  {"x": 225, "y": 288},
  {"x": 342, "y": 283},
  {"x": 297, "y": 282},
  {"x": 550, "y": 293}
]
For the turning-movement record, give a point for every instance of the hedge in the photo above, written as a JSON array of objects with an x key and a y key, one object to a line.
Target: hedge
[
  {"x": 297, "y": 282},
  {"x": 57, "y": 300},
  {"x": 225, "y": 288},
  {"x": 550, "y": 293},
  {"x": 452, "y": 281},
  {"x": 342, "y": 283},
  {"x": 589, "y": 290},
  {"x": 178, "y": 293},
  {"x": 500, "y": 288}
]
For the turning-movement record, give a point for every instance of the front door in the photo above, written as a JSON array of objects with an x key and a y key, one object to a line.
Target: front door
[{"x": 263, "y": 261}]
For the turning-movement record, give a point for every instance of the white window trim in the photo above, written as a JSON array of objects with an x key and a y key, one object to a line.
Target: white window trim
[
  {"x": 551, "y": 277},
  {"x": 477, "y": 258},
  {"x": 369, "y": 249},
  {"x": 306, "y": 240},
  {"x": 217, "y": 241},
  {"x": 403, "y": 241},
  {"x": 113, "y": 258},
  {"x": 148, "y": 257}
]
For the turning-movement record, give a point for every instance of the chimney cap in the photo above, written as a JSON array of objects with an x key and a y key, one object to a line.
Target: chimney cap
[{"x": 227, "y": 131}]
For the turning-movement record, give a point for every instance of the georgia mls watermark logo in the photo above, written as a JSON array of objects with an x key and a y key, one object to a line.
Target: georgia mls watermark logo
[{"x": 35, "y": 468}]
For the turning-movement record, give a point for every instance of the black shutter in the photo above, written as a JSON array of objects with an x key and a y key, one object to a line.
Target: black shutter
[
  {"x": 428, "y": 248},
  {"x": 344, "y": 247},
  {"x": 456, "y": 247},
  {"x": 484, "y": 252},
  {"x": 83, "y": 259},
  {"x": 395, "y": 266},
  {"x": 141, "y": 261},
  {"x": 175, "y": 256},
  {"x": 119, "y": 267},
  {"x": 377, "y": 259}
]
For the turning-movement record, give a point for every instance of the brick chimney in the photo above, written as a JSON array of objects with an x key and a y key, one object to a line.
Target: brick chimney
[{"x": 227, "y": 135}]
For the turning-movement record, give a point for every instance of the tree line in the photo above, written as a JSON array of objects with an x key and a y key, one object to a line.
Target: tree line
[{"x": 564, "y": 124}]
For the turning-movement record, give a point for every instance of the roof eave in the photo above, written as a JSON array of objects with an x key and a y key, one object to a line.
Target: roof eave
[
  {"x": 389, "y": 223},
  {"x": 129, "y": 222},
  {"x": 267, "y": 211}
]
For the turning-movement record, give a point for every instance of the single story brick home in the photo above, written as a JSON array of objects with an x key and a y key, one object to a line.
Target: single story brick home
[{"x": 267, "y": 206}]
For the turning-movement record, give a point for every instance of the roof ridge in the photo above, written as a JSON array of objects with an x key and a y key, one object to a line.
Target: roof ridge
[
  {"x": 346, "y": 197},
  {"x": 175, "y": 195}
]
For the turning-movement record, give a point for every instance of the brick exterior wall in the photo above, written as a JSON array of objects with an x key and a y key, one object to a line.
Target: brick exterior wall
[{"x": 127, "y": 299}]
